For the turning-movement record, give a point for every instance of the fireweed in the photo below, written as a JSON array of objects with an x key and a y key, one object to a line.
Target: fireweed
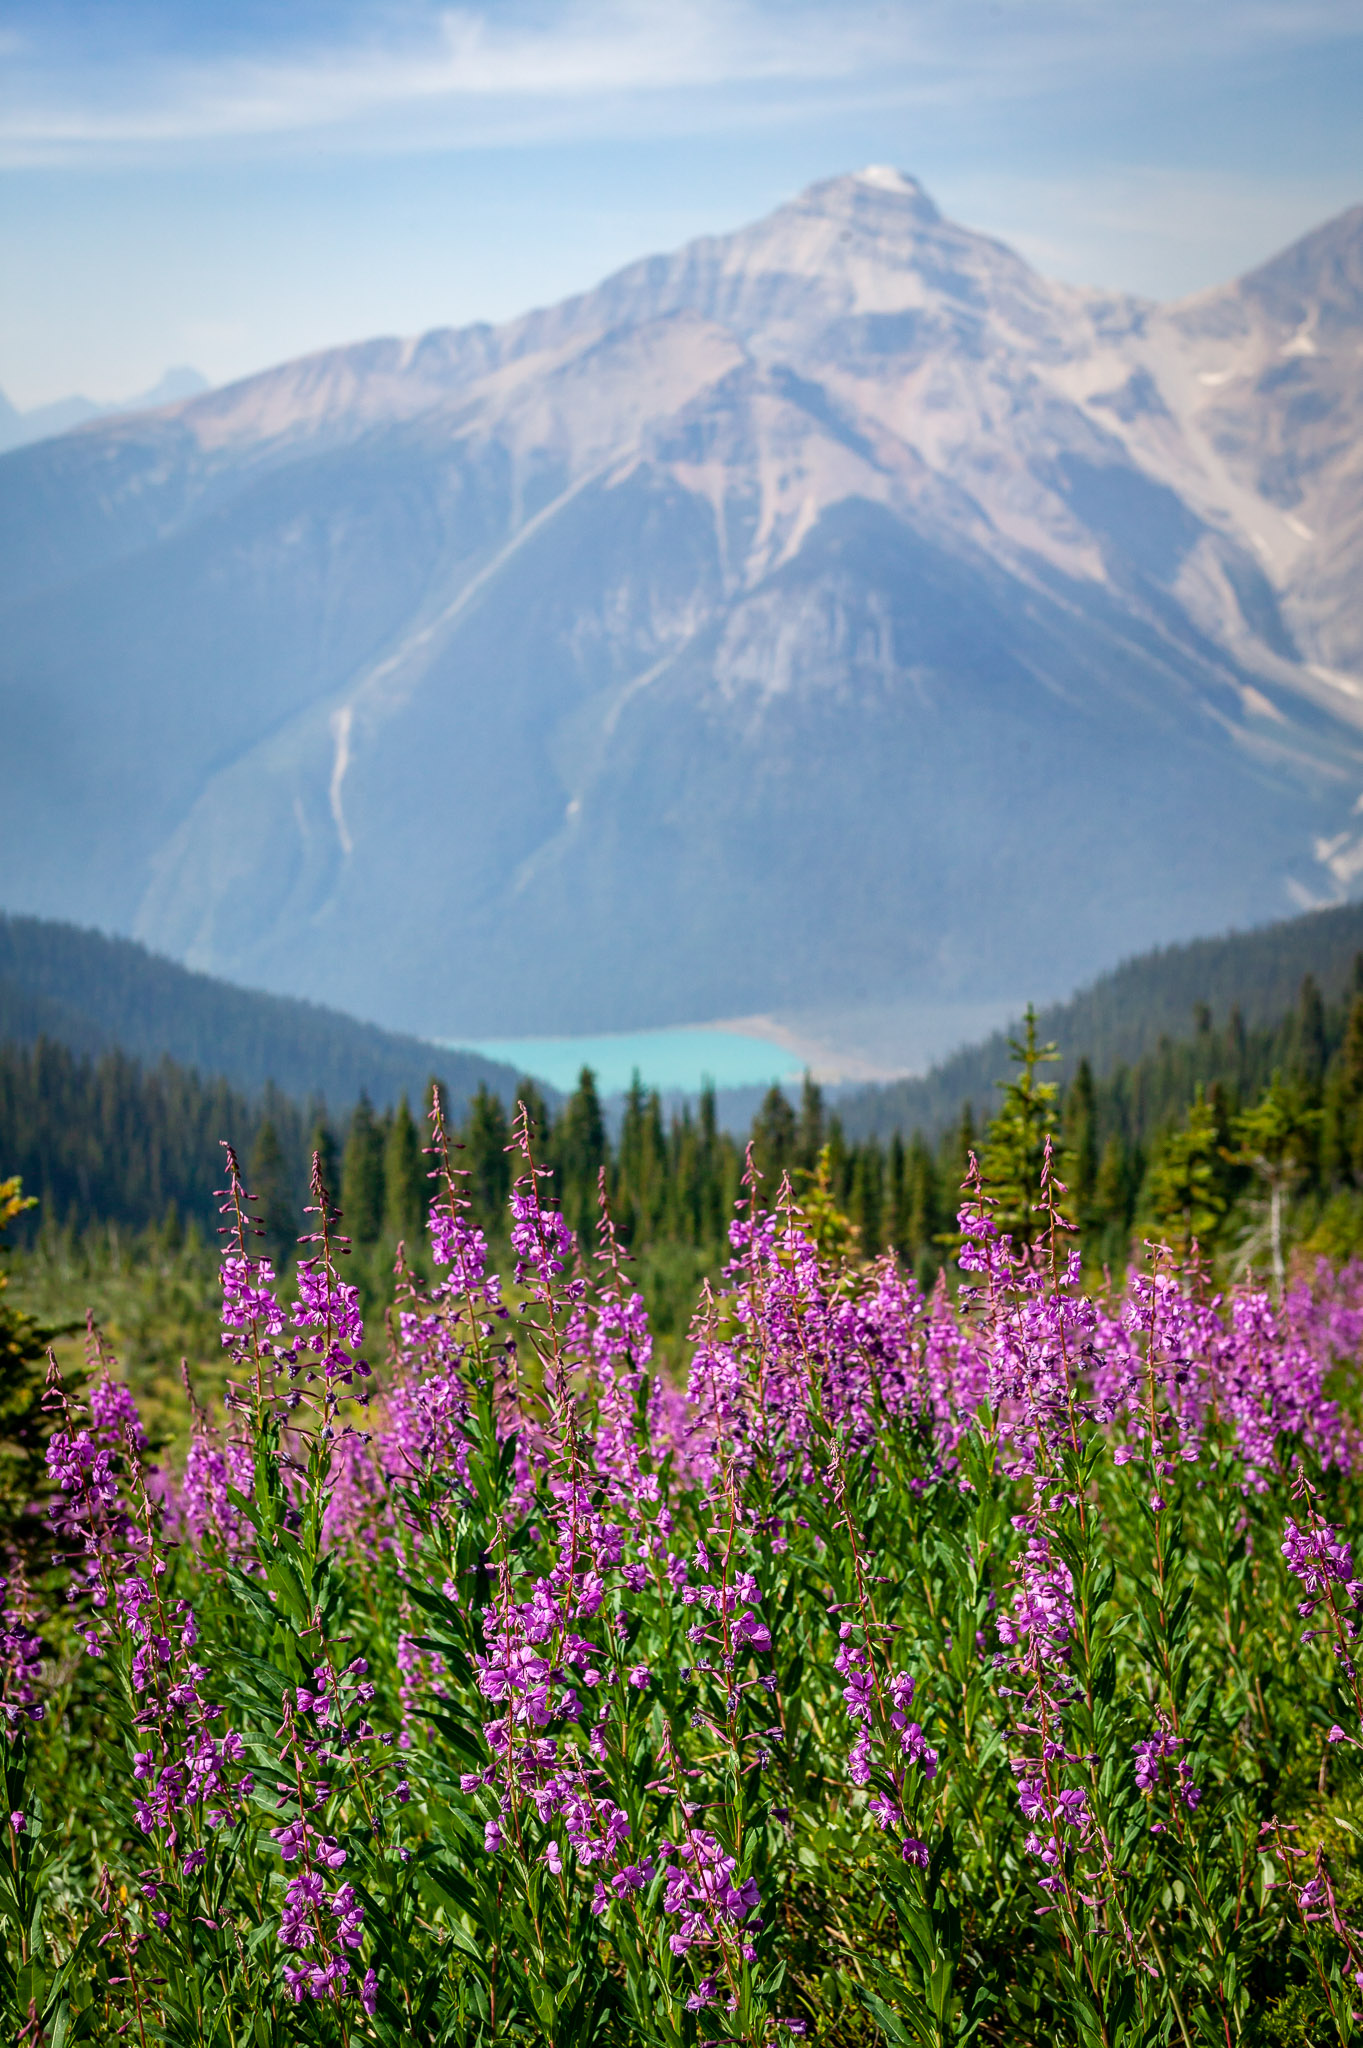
[{"x": 935, "y": 1670}]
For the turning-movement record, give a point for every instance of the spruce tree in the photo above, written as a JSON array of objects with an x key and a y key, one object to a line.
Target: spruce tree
[
  {"x": 1309, "y": 1063},
  {"x": 868, "y": 1197},
  {"x": 1347, "y": 1133},
  {"x": 486, "y": 1138},
  {"x": 272, "y": 1196},
  {"x": 1081, "y": 1140},
  {"x": 1016, "y": 1139},
  {"x": 774, "y": 1142},
  {"x": 897, "y": 1198},
  {"x": 579, "y": 1153},
  {"x": 362, "y": 1192},
  {"x": 404, "y": 1180},
  {"x": 1187, "y": 1194},
  {"x": 1112, "y": 1185},
  {"x": 926, "y": 1220},
  {"x": 322, "y": 1147},
  {"x": 810, "y": 1130}
]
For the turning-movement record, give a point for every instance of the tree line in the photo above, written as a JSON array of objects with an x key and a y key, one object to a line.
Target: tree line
[{"x": 107, "y": 1140}]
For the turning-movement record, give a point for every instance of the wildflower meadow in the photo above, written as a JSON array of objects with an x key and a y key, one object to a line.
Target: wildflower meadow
[{"x": 970, "y": 1667}]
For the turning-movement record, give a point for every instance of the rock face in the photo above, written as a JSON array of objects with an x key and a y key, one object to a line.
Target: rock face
[{"x": 835, "y": 610}]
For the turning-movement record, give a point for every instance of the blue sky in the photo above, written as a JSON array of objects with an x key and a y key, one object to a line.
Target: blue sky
[{"x": 186, "y": 182}]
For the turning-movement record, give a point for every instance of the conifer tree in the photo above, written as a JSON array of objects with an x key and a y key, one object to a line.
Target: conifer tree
[
  {"x": 486, "y": 1138},
  {"x": 774, "y": 1141},
  {"x": 271, "y": 1185},
  {"x": 1112, "y": 1187},
  {"x": 404, "y": 1180},
  {"x": 579, "y": 1152},
  {"x": 1187, "y": 1194},
  {"x": 1343, "y": 1136},
  {"x": 868, "y": 1184},
  {"x": 322, "y": 1147},
  {"x": 1081, "y": 1141},
  {"x": 839, "y": 1162},
  {"x": 925, "y": 1218},
  {"x": 362, "y": 1191},
  {"x": 1309, "y": 1064},
  {"x": 1016, "y": 1139},
  {"x": 957, "y": 1145},
  {"x": 897, "y": 1198},
  {"x": 810, "y": 1129}
]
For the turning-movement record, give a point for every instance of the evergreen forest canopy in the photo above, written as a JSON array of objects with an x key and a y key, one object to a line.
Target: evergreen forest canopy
[
  {"x": 1125, "y": 1014},
  {"x": 95, "y": 994},
  {"x": 102, "y": 1138},
  {"x": 105, "y": 1140}
]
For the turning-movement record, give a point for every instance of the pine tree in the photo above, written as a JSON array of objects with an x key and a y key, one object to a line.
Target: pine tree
[
  {"x": 810, "y": 1129},
  {"x": 322, "y": 1147},
  {"x": 1081, "y": 1140},
  {"x": 1347, "y": 1132},
  {"x": 897, "y": 1198},
  {"x": 839, "y": 1162},
  {"x": 774, "y": 1142},
  {"x": 1112, "y": 1185},
  {"x": 486, "y": 1137},
  {"x": 404, "y": 1181},
  {"x": 1186, "y": 1191},
  {"x": 271, "y": 1185},
  {"x": 868, "y": 1198},
  {"x": 1309, "y": 1063},
  {"x": 1016, "y": 1139},
  {"x": 925, "y": 1218},
  {"x": 954, "y": 1164},
  {"x": 713, "y": 1195},
  {"x": 362, "y": 1192},
  {"x": 579, "y": 1153}
]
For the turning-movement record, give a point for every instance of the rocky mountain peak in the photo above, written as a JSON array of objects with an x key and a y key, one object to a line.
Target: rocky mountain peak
[{"x": 713, "y": 639}]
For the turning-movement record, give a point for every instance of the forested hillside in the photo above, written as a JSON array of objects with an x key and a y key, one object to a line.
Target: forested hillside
[
  {"x": 94, "y": 994},
  {"x": 1123, "y": 1016}
]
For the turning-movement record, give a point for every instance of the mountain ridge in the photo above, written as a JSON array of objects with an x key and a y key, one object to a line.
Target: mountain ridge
[
  {"x": 1126, "y": 1013},
  {"x": 93, "y": 993},
  {"x": 58, "y": 416}
]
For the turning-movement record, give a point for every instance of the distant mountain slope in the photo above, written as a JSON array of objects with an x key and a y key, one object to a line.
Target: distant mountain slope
[
  {"x": 93, "y": 994},
  {"x": 1126, "y": 1013},
  {"x": 18, "y": 429},
  {"x": 832, "y": 610}
]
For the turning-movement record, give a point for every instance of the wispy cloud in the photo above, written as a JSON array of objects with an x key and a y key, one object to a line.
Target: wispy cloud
[{"x": 400, "y": 77}]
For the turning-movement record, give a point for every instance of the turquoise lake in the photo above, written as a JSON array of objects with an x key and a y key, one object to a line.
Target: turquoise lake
[{"x": 683, "y": 1058}]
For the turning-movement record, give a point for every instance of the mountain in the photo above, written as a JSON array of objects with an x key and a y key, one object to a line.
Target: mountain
[
  {"x": 1127, "y": 1014},
  {"x": 18, "y": 429},
  {"x": 96, "y": 994},
  {"x": 836, "y": 610}
]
